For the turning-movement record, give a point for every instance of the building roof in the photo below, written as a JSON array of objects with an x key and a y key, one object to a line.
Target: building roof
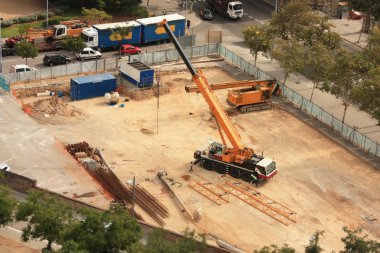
[{"x": 158, "y": 19}]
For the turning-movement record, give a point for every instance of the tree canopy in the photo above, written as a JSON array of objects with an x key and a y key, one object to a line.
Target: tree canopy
[
  {"x": 258, "y": 38},
  {"x": 112, "y": 231},
  {"x": 7, "y": 205},
  {"x": 99, "y": 4},
  {"x": 26, "y": 50}
]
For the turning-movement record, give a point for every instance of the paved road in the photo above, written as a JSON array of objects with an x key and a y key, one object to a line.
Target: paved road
[{"x": 258, "y": 11}]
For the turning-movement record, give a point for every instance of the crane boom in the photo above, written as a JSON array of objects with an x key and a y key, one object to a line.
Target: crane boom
[
  {"x": 211, "y": 99},
  {"x": 238, "y": 161}
]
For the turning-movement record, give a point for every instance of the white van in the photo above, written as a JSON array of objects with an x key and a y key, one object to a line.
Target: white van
[{"x": 20, "y": 68}]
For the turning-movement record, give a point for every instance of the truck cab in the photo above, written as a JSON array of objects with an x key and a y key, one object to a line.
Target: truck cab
[
  {"x": 235, "y": 10},
  {"x": 90, "y": 37}
]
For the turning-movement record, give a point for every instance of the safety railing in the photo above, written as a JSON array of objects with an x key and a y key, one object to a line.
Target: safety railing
[{"x": 349, "y": 132}]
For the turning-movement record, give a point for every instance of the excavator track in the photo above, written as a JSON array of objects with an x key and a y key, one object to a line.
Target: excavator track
[{"x": 255, "y": 107}]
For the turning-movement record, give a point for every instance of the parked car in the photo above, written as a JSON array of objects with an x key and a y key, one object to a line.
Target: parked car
[
  {"x": 206, "y": 14},
  {"x": 88, "y": 53},
  {"x": 129, "y": 49},
  {"x": 4, "y": 167},
  {"x": 20, "y": 68},
  {"x": 56, "y": 59},
  {"x": 352, "y": 14}
]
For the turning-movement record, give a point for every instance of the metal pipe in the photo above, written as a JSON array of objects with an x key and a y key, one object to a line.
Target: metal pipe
[{"x": 179, "y": 48}]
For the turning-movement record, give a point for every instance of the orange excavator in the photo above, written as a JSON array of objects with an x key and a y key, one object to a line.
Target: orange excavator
[
  {"x": 238, "y": 161},
  {"x": 246, "y": 95}
]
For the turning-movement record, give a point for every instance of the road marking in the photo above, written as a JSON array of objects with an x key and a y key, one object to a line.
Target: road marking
[{"x": 250, "y": 16}]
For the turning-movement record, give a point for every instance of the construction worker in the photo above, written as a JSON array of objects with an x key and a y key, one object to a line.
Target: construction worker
[
  {"x": 188, "y": 24},
  {"x": 254, "y": 180},
  {"x": 164, "y": 12}
]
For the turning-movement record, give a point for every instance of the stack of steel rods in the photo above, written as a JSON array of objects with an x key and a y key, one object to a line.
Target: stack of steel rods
[{"x": 124, "y": 194}]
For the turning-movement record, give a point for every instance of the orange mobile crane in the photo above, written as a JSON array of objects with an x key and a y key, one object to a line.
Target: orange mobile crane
[
  {"x": 238, "y": 161},
  {"x": 252, "y": 95}
]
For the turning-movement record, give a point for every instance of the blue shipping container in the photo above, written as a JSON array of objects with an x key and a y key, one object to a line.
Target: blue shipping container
[
  {"x": 137, "y": 73},
  {"x": 152, "y": 33},
  {"x": 91, "y": 86},
  {"x": 109, "y": 40}
]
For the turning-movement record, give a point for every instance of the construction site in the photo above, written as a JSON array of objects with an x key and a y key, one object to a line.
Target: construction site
[{"x": 95, "y": 152}]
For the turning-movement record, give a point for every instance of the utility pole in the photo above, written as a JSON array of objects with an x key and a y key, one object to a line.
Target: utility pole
[
  {"x": 133, "y": 196},
  {"x": 158, "y": 97},
  {"x": 276, "y": 7},
  {"x": 47, "y": 12},
  {"x": 1, "y": 50}
]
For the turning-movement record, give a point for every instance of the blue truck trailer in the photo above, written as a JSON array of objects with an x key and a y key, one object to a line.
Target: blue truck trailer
[
  {"x": 150, "y": 32},
  {"x": 102, "y": 36}
]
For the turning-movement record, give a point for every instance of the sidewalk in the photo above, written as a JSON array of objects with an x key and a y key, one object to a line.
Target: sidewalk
[
  {"x": 349, "y": 30},
  {"x": 156, "y": 8}
]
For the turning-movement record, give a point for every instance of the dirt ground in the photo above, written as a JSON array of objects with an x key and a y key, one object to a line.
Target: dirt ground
[
  {"x": 326, "y": 185},
  {"x": 10, "y": 246},
  {"x": 11, "y": 9}
]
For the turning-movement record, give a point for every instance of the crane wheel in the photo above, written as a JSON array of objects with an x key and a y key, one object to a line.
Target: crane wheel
[
  {"x": 233, "y": 172},
  {"x": 208, "y": 165},
  {"x": 220, "y": 168},
  {"x": 246, "y": 176}
]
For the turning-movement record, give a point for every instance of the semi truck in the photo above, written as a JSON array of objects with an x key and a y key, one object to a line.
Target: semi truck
[
  {"x": 104, "y": 38},
  {"x": 143, "y": 31},
  {"x": 229, "y": 9},
  {"x": 237, "y": 160}
]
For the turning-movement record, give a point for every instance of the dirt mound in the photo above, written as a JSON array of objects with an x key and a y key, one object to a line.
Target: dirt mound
[
  {"x": 146, "y": 131},
  {"x": 142, "y": 94},
  {"x": 54, "y": 106}
]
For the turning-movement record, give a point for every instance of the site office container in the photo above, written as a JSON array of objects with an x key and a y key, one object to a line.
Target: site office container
[
  {"x": 137, "y": 73},
  {"x": 107, "y": 40},
  {"x": 91, "y": 86},
  {"x": 150, "y": 32}
]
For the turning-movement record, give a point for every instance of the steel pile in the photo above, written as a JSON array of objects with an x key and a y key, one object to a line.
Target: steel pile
[{"x": 98, "y": 167}]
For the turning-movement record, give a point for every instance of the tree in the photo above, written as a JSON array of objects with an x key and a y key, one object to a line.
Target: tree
[
  {"x": 73, "y": 44},
  {"x": 23, "y": 28},
  {"x": 313, "y": 246},
  {"x": 290, "y": 55},
  {"x": 7, "y": 205},
  {"x": 26, "y": 50},
  {"x": 371, "y": 51},
  {"x": 121, "y": 32},
  {"x": 111, "y": 231},
  {"x": 297, "y": 21},
  {"x": 190, "y": 242},
  {"x": 95, "y": 15},
  {"x": 158, "y": 244},
  {"x": 367, "y": 94},
  {"x": 68, "y": 247},
  {"x": 370, "y": 8},
  {"x": 318, "y": 60},
  {"x": 45, "y": 216},
  {"x": 258, "y": 38},
  {"x": 354, "y": 242},
  {"x": 343, "y": 75},
  {"x": 275, "y": 249}
]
